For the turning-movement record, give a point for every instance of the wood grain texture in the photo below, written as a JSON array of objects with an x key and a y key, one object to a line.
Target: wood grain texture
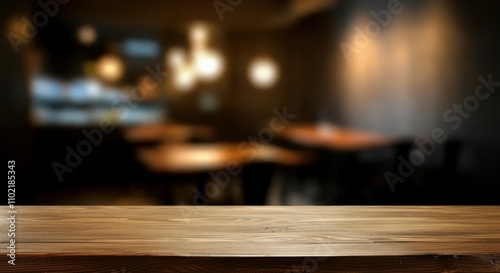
[{"x": 255, "y": 239}]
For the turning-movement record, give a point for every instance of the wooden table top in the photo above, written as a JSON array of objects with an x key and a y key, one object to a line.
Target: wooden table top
[
  {"x": 257, "y": 231},
  {"x": 398, "y": 237},
  {"x": 167, "y": 132},
  {"x": 215, "y": 156},
  {"x": 335, "y": 138}
]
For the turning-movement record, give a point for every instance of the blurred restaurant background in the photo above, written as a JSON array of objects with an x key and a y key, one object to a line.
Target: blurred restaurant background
[{"x": 252, "y": 102}]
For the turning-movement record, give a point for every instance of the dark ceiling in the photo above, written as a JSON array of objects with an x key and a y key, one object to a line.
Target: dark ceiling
[{"x": 178, "y": 13}]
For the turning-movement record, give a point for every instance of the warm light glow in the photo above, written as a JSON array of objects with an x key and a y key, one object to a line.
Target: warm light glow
[
  {"x": 110, "y": 68},
  {"x": 15, "y": 26},
  {"x": 405, "y": 70},
  {"x": 263, "y": 73},
  {"x": 86, "y": 35},
  {"x": 200, "y": 63},
  {"x": 184, "y": 78},
  {"x": 209, "y": 64},
  {"x": 198, "y": 35},
  {"x": 176, "y": 57}
]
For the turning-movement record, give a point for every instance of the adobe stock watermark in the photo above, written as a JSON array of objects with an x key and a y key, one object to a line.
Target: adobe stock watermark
[
  {"x": 223, "y": 6},
  {"x": 221, "y": 179},
  {"x": 39, "y": 19},
  {"x": 454, "y": 116},
  {"x": 372, "y": 29},
  {"x": 94, "y": 137}
]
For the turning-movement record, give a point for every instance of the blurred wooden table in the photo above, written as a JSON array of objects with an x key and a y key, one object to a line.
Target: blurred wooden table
[
  {"x": 200, "y": 160},
  {"x": 167, "y": 132},
  {"x": 190, "y": 158},
  {"x": 339, "y": 148},
  {"x": 254, "y": 239},
  {"x": 334, "y": 138}
]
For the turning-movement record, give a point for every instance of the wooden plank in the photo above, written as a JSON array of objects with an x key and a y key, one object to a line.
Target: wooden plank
[{"x": 270, "y": 239}]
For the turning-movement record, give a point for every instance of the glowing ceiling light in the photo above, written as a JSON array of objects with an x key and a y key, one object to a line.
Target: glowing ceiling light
[
  {"x": 110, "y": 68},
  {"x": 209, "y": 64},
  {"x": 198, "y": 34},
  {"x": 176, "y": 57},
  {"x": 201, "y": 64},
  {"x": 86, "y": 35},
  {"x": 263, "y": 73},
  {"x": 184, "y": 78}
]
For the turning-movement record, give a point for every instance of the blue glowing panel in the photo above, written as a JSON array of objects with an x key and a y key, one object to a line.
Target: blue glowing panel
[
  {"x": 84, "y": 91},
  {"x": 46, "y": 89},
  {"x": 141, "y": 48}
]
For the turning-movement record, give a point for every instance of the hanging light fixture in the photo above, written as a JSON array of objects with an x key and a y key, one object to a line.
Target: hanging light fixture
[
  {"x": 198, "y": 35},
  {"x": 203, "y": 64},
  {"x": 86, "y": 35},
  {"x": 176, "y": 57},
  {"x": 263, "y": 73},
  {"x": 110, "y": 68},
  {"x": 209, "y": 64},
  {"x": 184, "y": 78}
]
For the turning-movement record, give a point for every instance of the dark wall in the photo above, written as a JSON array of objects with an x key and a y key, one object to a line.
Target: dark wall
[
  {"x": 481, "y": 131},
  {"x": 466, "y": 47},
  {"x": 16, "y": 134},
  {"x": 312, "y": 93}
]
